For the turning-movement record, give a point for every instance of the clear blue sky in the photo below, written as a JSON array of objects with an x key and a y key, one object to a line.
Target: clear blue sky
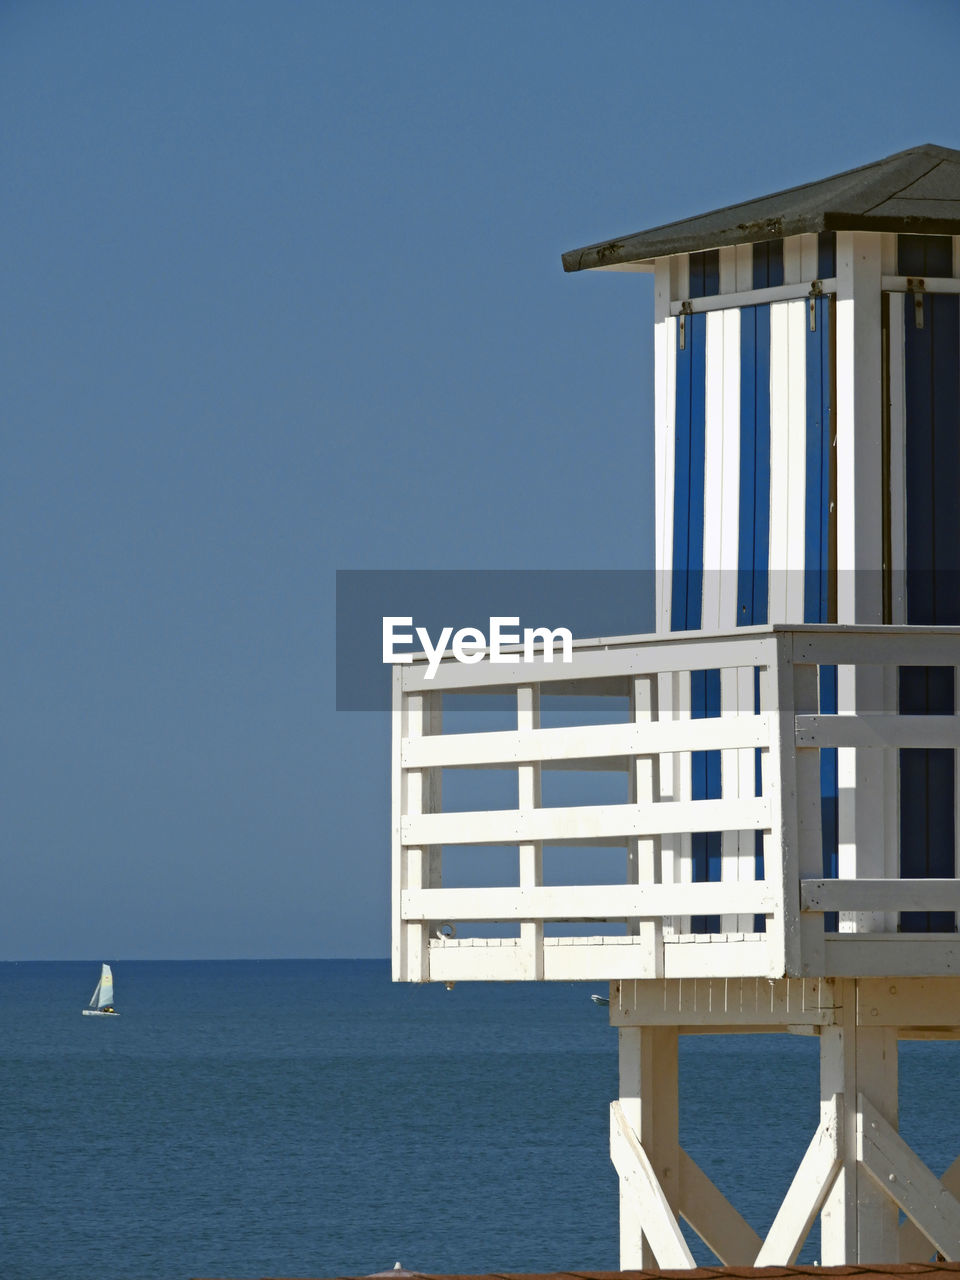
[{"x": 281, "y": 294}]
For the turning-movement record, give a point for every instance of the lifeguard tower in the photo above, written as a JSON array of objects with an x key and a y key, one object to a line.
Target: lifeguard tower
[{"x": 786, "y": 744}]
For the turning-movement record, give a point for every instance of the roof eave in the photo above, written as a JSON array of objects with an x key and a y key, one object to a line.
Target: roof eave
[{"x": 644, "y": 249}]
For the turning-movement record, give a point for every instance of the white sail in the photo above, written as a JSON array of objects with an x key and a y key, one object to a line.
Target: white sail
[{"x": 104, "y": 992}]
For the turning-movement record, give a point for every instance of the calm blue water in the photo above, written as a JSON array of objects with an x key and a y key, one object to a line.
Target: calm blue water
[{"x": 309, "y": 1118}]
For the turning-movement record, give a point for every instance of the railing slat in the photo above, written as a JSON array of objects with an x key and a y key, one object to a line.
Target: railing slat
[
  {"x": 586, "y": 902},
  {"x": 593, "y": 822},
  {"x": 879, "y": 895},
  {"x": 875, "y": 729},
  {"x": 511, "y": 747}
]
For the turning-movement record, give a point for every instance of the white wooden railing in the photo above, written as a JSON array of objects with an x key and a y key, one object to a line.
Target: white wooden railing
[{"x": 646, "y": 925}]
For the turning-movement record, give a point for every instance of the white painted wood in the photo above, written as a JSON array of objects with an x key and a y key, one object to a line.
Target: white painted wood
[
  {"x": 728, "y": 1002},
  {"x": 805, "y": 1196},
  {"x": 878, "y": 1234},
  {"x": 685, "y": 651},
  {"x": 808, "y": 247},
  {"x": 748, "y": 297},
  {"x": 878, "y": 729},
  {"x": 838, "y": 1091},
  {"x": 644, "y": 1147},
  {"x": 714, "y": 1218},
  {"x": 665, "y": 372},
  {"x": 586, "y": 822},
  {"x": 413, "y": 860},
  {"x": 888, "y": 252},
  {"x": 901, "y": 1174},
  {"x": 859, "y": 427},
  {"x": 931, "y": 284},
  {"x": 583, "y": 742},
  {"x": 792, "y": 266},
  {"x": 530, "y": 854},
  {"x": 714, "y": 498},
  {"x": 795, "y": 496},
  {"x": 398, "y": 733},
  {"x": 898, "y": 480},
  {"x": 908, "y": 1002},
  {"x": 779, "y": 782},
  {"x": 744, "y": 268},
  {"x": 809, "y": 823},
  {"x": 728, "y": 268},
  {"x": 865, "y": 894},
  {"x": 693, "y": 955},
  {"x": 882, "y": 954},
  {"x": 645, "y": 854},
  {"x": 583, "y": 902},
  {"x": 914, "y": 1245}
]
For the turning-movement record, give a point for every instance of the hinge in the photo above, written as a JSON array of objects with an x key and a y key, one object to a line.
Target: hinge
[
  {"x": 816, "y": 291},
  {"x": 916, "y": 287},
  {"x": 685, "y": 310}
]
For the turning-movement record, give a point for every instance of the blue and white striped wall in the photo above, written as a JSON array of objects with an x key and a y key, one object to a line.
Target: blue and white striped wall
[{"x": 773, "y": 450}]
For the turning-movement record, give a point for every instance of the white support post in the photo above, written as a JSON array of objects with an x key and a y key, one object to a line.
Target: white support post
[
  {"x": 779, "y": 776},
  {"x": 649, "y": 1106},
  {"x": 414, "y": 861},
  {"x": 859, "y": 1223},
  {"x": 838, "y": 1080},
  {"x": 531, "y": 853},
  {"x": 644, "y": 853},
  {"x": 809, "y": 823},
  {"x": 878, "y": 1232}
]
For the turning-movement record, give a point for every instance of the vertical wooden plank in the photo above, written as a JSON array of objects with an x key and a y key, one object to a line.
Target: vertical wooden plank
[
  {"x": 730, "y": 511},
  {"x": 414, "y": 866},
  {"x": 809, "y": 257},
  {"x": 897, "y": 461},
  {"x": 797, "y": 327},
  {"x": 878, "y": 1229},
  {"x": 792, "y": 269},
  {"x": 398, "y": 728},
  {"x": 530, "y": 855},
  {"x": 728, "y": 269},
  {"x": 859, "y": 428},
  {"x": 649, "y": 1097},
  {"x": 838, "y": 1078},
  {"x": 779, "y": 462},
  {"x": 664, "y": 337},
  {"x": 779, "y": 783},
  {"x": 714, "y": 498},
  {"x": 809, "y": 820},
  {"x": 744, "y": 267},
  {"x": 645, "y": 854}
]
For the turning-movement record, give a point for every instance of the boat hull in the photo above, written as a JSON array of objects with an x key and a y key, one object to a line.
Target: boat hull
[{"x": 100, "y": 1013}]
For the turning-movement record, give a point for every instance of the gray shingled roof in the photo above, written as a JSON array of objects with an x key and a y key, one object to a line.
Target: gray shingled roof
[{"x": 916, "y": 190}]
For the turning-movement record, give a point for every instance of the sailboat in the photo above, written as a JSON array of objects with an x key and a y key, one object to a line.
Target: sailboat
[{"x": 101, "y": 1002}]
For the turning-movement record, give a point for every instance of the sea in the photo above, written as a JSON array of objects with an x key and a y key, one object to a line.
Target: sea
[{"x": 310, "y": 1118}]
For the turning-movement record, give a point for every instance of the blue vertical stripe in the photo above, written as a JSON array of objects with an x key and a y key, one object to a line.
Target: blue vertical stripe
[
  {"x": 932, "y": 396},
  {"x": 686, "y": 602},
  {"x": 753, "y": 552},
  {"x": 754, "y": 515},
  {"x": 687, "y": 586}
]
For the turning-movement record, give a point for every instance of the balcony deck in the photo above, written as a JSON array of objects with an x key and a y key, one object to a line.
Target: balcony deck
[{"x": 630, "y": 698}]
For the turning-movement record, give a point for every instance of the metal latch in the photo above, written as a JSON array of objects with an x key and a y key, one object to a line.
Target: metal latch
[
  {"x": 916, "y": 287},
  {"x": 685, "y": 310},
  {"x": 816, "y": 291}
]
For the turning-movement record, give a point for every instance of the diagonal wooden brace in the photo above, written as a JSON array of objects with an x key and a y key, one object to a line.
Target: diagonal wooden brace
[
  {"x": 660, "y": 1227},
  {"x": 907, "y": 1181},
  {"x": 806, "y": 1194}
]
